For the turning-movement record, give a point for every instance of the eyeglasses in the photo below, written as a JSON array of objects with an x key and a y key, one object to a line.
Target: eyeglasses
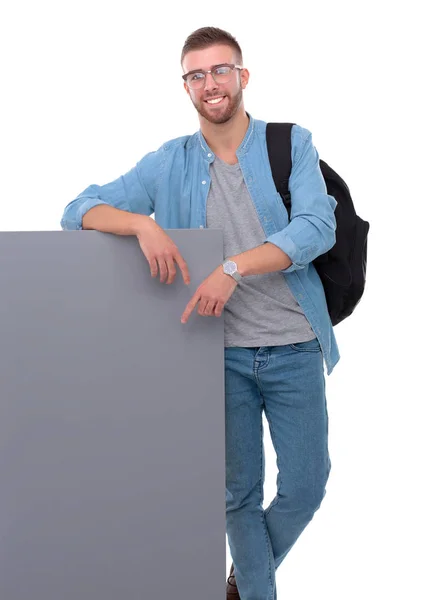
[{"x": 220, "y": 73}]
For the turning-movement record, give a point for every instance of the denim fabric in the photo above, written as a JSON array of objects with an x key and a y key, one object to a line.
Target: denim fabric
[
  {"x": 287, "y": 383},
  {"x": 174, "y": 182}
]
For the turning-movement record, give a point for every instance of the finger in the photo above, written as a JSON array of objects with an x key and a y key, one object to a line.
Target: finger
[
  {"x": 162, "y": 270},
  {"x": 154, "y": 267},
  {"x": 219, "y": 308},
  {"x": 210, "y": 307},
  {"x": 183, "y": 267},
  {"x": 202, "y": 306},
  {"x": 189, "y": 308},
  {"x": 171, "y": 270}
]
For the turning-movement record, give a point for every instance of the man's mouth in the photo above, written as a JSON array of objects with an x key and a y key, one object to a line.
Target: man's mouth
[{"x": 215, "y": 100}]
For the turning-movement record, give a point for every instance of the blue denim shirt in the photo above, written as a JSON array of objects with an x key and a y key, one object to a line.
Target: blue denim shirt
[{"x": 173, "y": 182}]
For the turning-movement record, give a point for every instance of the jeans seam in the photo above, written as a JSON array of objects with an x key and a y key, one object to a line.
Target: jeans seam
[
  {"x": 297, "y": 349},
  {"x": 273, "y": 503},
  {"x": 262, "y": 513}
]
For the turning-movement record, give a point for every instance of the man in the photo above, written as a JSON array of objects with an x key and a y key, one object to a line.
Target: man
[{"x": 277, "y": 327}]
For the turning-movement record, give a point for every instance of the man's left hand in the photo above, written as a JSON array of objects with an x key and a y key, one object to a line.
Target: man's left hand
[{"x": 211, "y": 295}]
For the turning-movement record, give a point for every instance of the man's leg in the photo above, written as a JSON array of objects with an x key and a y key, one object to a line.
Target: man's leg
[
  {"x": 295, "y": 406},
  {"x": 247, "y": 533}
]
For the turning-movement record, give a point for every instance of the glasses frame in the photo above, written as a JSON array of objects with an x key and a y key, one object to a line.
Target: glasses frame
[{"x": 211, "y": 71}]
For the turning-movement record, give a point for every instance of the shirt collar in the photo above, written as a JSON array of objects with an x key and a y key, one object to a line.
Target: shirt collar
[{"x": 242, "y": 149}]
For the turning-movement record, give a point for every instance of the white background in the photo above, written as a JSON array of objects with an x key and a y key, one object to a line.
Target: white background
[{"x": 89, "y": 87}]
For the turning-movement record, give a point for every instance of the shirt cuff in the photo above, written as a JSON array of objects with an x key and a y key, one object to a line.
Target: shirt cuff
[{"x": 284, "y": 243}]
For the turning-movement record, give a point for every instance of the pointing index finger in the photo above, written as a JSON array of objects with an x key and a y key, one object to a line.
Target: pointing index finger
[{"x": 189, "y": 308}]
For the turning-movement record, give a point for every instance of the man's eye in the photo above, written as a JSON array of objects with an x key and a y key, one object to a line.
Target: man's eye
[
  {"x": 222, "y": 70},
  {"x": 196, "y": 76}
]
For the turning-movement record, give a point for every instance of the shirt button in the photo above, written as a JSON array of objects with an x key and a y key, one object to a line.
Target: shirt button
[
  {"x": 201, "y": 227},
  {"x": 203, "y": 182},
  {"x": 209, "y": 155}
]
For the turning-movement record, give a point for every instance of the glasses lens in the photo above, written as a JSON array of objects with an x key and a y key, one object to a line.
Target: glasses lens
[
  {"x": 195, "y": 80},
  {"x": 222, "y": 74}
]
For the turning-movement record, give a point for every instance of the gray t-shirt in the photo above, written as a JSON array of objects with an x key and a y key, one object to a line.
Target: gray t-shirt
[{"x": 262, "y": 310}]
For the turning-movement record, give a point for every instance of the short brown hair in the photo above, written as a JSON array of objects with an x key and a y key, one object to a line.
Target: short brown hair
[{"x": 210, "y": 36}]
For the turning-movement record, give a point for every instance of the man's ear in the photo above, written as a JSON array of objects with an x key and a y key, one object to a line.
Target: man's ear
[
  {"x": 245, "y": 76},
  {"x": 186, "y": 87}
]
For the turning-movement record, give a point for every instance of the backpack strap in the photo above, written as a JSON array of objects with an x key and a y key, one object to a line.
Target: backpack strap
[{"x": 278, "y": 140}]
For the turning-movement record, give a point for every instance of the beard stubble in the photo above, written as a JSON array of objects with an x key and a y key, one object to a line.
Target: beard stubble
[{"x": 220, "y": 117}]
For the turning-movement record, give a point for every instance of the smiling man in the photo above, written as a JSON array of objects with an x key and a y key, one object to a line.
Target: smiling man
[{"x": 277, "y": 327}]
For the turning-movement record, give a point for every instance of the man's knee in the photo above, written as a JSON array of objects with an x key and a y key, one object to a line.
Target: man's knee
[
  {"x": 306, "y": 497},
  {"x": 237, "y": 497}
]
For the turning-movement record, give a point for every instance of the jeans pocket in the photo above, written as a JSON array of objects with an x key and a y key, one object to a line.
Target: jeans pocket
[{"x": 310, "y": 346}]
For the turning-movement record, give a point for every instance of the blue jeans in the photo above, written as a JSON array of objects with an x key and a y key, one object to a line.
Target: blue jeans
[{"x": 287, "y": 382}]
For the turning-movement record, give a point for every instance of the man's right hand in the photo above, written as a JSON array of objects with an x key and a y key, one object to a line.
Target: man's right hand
[
  {"x": 161, "y": 252},
  {"x": 156, "y": 245}
]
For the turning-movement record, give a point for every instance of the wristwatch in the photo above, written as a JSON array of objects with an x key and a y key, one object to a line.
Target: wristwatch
[{"x": 230, "y": 268}]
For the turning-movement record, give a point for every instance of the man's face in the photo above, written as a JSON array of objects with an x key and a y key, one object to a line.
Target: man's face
[{"x": 230, "y": 93}]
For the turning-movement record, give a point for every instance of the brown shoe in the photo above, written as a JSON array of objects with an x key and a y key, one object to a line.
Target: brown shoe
[{"x": 232, "y": 590}]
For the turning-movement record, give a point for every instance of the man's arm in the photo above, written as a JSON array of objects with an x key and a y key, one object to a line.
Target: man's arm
[
  {"x": 215, "y": 291},
  {"x": 123, "y": 207},
  {"x": 311, "y": 230},
  {"x": 133, "y": 193},
  {"x": 108, "y": 219},
  {"x": 263, "y": 259}
]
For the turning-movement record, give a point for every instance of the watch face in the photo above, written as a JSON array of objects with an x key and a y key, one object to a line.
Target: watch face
[{"x": 230, "y": 267}]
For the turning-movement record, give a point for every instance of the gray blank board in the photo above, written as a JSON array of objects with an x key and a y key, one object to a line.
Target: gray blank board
[{"x": 112, "y": 426}]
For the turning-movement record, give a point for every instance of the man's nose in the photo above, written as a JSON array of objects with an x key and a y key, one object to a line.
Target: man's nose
[{"x": 210, "y": 83}]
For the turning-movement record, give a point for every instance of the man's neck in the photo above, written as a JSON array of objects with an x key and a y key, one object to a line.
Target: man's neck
[{"x": 225, "y": 138}]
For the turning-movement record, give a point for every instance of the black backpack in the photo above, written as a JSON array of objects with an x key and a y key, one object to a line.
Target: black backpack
[{"x": 342, "y": 269}]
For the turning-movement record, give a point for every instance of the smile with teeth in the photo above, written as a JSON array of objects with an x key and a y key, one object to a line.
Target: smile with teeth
[{"x": 215, "y": 100}]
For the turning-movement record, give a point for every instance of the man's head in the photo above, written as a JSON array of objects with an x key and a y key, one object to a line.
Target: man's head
[{"x": 218, "y": 95}]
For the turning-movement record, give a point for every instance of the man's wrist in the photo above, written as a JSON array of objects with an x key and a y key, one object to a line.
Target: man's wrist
[
  {"x": 139, "y": 223},
  {"x": 230, "y": 268},
  {"x": 241, "y": 264}
]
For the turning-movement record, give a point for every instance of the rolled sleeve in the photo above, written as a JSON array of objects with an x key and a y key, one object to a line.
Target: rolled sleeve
[
  {"x": 312, "y": 226},
  {"x": 74, "y": 211}
]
